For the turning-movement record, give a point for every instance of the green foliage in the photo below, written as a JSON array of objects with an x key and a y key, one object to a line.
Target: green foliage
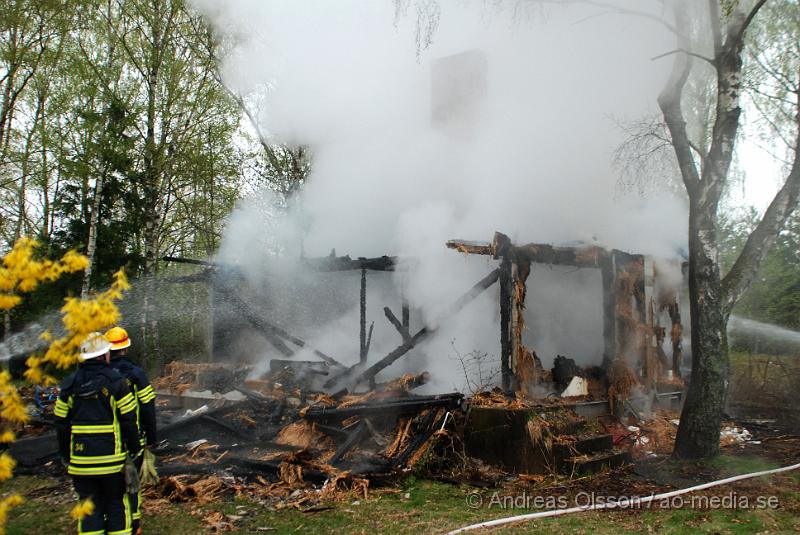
[
  {"x": 125, "y": 95},
  {"x": 774, "y": 296}
]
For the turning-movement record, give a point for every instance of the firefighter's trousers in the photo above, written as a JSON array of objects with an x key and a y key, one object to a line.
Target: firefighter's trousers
[{"x": 112, "y": 512}]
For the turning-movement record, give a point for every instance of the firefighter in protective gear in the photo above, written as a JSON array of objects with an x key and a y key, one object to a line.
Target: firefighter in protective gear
[
  {"x": 96, "y": 428},
  {"x": 145, "y": 407}
]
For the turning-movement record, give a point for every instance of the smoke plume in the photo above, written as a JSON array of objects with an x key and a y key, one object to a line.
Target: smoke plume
[{"x": 410, "y": 150}]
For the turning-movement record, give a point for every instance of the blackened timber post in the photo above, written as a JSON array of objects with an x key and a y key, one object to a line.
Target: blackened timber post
[
  {"x": 363, "y": 330},
  {"x": 676, "y": 335},
  {"x": 522, "y": 370},
  {"x": 501, "y": 246},
  {"x": 368, "y": 374},
  {"x": 506, "y": 297},
  {"x": 609, "y": 310}
]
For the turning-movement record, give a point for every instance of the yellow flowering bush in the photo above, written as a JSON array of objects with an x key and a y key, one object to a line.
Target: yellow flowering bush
[
  {"x": 21, "y": 272},
  {"x": 80, "y": 317},
  {"x": 5, "y": 505}
]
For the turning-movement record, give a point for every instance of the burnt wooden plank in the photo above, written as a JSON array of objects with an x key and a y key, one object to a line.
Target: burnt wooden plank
[
  {"x": 353, "y": 438},
  {"x": 276, "y": 332},
  {"x": 345, "y": 263},
  {"x": 470, "y": 247},
  {"x": 396, "y": 407}
]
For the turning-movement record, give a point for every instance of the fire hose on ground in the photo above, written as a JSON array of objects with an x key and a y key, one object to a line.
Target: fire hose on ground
[{"x": 613, "y": 505}]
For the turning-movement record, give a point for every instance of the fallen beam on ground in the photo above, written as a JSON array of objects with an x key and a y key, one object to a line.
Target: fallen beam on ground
[
  {"x": 256, "y": 396},
  {"x": 395, "y": 407},
  {"x": 428, "y": 427},
  {"x": 353, "y": 438}
]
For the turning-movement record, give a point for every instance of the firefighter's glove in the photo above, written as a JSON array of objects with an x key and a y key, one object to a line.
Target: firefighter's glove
[
  {"x": 148, "y": 474},
  {"x": 131, "y": 477}
]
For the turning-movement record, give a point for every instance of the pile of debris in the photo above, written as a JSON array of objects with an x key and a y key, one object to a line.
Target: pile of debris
[
  {"x": 288, "y": 438},
  {"x": 180, "y": 376}
]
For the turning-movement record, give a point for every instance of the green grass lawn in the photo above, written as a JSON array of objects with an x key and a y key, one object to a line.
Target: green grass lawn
[{"x": 416, "y": 506}]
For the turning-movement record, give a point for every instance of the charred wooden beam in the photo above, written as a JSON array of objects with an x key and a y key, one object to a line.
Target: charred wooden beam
[
  {"x": 249, "y": 466},
  {"x": 252, "y": 394},
  {"x": 471, "y": 247},
  {"x": 522, "y": 362},
  {"x": 299, "y": 366},
  {"x": 275, "y": 331},
  {"x": 300, "y": 343},
  {"x": 502, "y": 248},
  {"x": 370, "y": 373},
  {"x": 369, "y": 337},
  {"x": 363, "y": 318},
  {"x": 395, "y": 407},
  {"x": 335, "y": 432},
  {"x": 345, "y": 263},
  {"x": 589, "y": 256},
  {"x": 211, "y": 419},
  {"x": 473, "y": 292},
  {"x": 404, "y": 383},
  {"x": 540, "y": 253},
  {"x": 430, "y": 423},
  {"x": 353, "y": 438},
  {"x": 193, "y": 261},
  {"x": 506, "y": 291},
  {"x": 609, "y": 311},
  {"x": 268, "y": 331},
  {"x": 402, "y": 329},
  {"x": 325, "y": 263}
]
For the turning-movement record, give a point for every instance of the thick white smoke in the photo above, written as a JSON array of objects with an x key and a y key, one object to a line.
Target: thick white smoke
[{"x": 533, "y": 159}]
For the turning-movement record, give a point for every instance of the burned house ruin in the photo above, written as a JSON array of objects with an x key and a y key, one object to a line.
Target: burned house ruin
[{"x": 641, "y": 317}]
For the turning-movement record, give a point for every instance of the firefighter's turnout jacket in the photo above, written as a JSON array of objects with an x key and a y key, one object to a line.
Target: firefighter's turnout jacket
[
  {"x": 143, "y": 393},
  {"x": 96, "y": 421}
]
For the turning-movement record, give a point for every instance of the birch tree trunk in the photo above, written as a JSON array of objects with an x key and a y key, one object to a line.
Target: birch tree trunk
[
  {"x": 698, "y": 432},
  {"x": 152, "y": 177},
  {"x": 91, "y": 243},
  {"x": 711, "y": 297}
]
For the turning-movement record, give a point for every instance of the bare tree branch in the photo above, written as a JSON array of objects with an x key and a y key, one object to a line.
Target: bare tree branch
[
  {"x": 739, "y": 278},
  {"x": 669, "y": 101},
  {"x": 750, "y": 16},
  {"x": 683, "y": 50}
]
